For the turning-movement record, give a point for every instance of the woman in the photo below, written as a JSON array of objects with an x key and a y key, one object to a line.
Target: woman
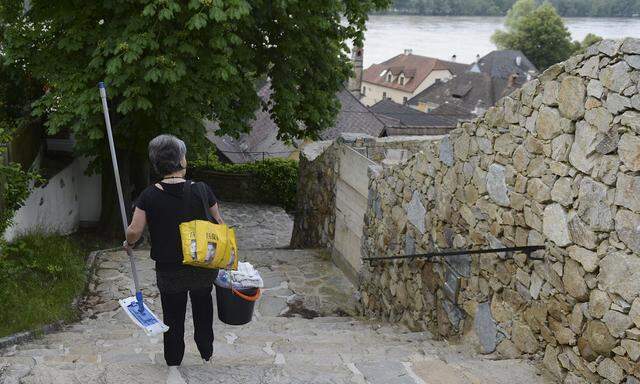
[{"x": 161, "y": 205}]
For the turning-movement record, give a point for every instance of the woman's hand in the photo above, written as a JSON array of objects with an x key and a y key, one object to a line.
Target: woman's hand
[{"x": 127, "y": 247}]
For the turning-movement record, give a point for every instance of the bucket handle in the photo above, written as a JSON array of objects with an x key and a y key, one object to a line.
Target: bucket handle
[{"x": 246, "y": 297}]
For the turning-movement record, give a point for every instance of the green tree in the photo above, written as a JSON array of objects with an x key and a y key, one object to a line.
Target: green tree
[
  {"x": 518, "y": 12},
  {"x": 168, "y": 64},
  {"x": 17, "y": 91},
  {"x": 589, "y": 40},
  {"x": 539, "y": 33}
]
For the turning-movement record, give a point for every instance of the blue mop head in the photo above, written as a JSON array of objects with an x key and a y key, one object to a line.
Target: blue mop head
[{"x": 145, "y": 319}]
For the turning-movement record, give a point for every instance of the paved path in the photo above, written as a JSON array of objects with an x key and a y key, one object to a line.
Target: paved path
[{"x": 302, "y": 331}]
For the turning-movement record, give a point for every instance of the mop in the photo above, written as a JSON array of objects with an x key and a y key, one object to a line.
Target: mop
[{"x": 133, "y": 306}]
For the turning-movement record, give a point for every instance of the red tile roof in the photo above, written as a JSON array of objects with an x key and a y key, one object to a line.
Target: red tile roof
[{"x": 416, "y": 68}]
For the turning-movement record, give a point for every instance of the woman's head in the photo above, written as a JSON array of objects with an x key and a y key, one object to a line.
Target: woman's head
[{"x": 167, "y": 154}]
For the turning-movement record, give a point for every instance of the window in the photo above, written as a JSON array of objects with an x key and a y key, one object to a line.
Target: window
[
  {"x": 401, "y": 79},
  {"x": 404, "y": 100},
  {"x": 364, "y": 91},
  {"x": 384, "y": 95},
  {"x": 389, "y": 77}
]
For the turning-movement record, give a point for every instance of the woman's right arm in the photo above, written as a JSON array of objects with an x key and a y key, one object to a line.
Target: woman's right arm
[
  {"x": 215, "y": 212},
  {"x": 134, "y": 232}
]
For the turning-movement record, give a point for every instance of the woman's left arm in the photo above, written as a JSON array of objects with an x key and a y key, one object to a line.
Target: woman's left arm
[
  {"x": 135, "y": 229},
  {"x": 215, "y": 212}
]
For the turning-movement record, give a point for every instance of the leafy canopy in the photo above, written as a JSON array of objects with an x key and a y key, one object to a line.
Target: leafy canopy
[
  {"x": 537, "y": 31},
  {"x": 168, "y": 63}
]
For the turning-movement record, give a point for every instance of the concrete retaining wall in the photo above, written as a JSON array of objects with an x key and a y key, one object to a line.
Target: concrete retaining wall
[{"x": 67, "y": 199}]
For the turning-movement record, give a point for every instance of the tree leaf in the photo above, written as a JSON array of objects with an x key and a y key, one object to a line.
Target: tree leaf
[{"x": 197, "y": 21}]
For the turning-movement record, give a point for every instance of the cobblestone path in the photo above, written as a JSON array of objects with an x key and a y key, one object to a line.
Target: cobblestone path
[{"x": 304, "y": 331}]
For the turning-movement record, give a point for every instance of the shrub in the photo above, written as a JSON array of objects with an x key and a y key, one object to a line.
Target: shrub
[
  {"x": 13, "y": 191},
  {"x": 18, "y": 89},
  {"x": 40, "y": 275},
  {"x": 276, "y": 179}
]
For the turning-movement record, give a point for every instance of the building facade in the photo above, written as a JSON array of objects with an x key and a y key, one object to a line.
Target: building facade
[{"x": 404, "y": 76}]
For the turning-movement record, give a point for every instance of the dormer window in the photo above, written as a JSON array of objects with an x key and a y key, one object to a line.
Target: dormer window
[
  {"x": 389, "y": 77},
  {"x": 401, "y": 79}
]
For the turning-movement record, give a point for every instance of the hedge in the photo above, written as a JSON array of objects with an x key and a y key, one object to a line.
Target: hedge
[{"x": 275, "y": 179}]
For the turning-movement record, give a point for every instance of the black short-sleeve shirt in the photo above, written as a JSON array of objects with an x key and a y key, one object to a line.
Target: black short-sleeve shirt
[{"x": 165, "y": 211}]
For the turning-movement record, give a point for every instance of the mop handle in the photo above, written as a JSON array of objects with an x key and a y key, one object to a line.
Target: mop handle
[{"x": 116, "y": 172}]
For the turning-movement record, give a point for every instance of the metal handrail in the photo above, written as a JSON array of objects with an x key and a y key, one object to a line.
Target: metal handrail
[{"x": 529, "y": 249}]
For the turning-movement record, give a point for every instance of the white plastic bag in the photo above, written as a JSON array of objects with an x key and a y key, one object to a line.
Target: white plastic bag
[{"x": 245, "y": 277}]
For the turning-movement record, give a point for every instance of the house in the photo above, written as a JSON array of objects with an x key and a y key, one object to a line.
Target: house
[
  {"x": 262, "y": 142},
  {"x": 402, "y": 120},
  {"x": 404, "y": 76},
  {"x": 484, "y": 82}
]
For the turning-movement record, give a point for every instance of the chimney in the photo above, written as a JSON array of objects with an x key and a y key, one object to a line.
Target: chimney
[
  {"x": 355, "y": 81},
  {"x": 477, "y": 57},
  {"x": 518, "y": 60},
  {"x": 454, "y": 58},
  {"x": 408, "y": 51}
]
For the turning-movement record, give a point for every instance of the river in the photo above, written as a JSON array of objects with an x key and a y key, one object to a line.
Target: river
[{"x": 466, "y": 37}]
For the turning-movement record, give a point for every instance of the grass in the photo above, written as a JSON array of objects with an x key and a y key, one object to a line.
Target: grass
[{"x": 40, "y": 275}]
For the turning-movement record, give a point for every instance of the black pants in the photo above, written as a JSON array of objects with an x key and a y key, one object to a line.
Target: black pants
[{"x": 174, "y": 307}]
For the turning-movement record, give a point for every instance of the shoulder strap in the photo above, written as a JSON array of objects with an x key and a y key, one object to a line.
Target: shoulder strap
[
  {"x": 203, "y": 197},
  {"x": 186, "y": 201}
]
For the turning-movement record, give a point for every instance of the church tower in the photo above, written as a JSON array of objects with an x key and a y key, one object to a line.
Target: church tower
[{"x": 355, "y": 81}]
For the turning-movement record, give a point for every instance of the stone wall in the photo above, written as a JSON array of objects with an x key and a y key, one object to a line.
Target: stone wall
[
  {"x": 319, "y": 166},
  {"x": 315, "y": 220},
  {"x": 555, "y": 163}
]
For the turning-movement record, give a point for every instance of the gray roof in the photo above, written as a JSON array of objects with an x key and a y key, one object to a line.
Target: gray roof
[
  {"x": 494, "y": 76},
  {"x": 354, "y": 117},
  {"x": 404, "y": 115},
  {"x": 262, "y": 141},
  {"x": 404, "y": 120},
  {"x": 468, "y": 90},
  {"x": 503, "y": 63}
]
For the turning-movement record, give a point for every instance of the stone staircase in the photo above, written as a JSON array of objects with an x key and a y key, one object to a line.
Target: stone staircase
[{"x": 304, "y": 331}]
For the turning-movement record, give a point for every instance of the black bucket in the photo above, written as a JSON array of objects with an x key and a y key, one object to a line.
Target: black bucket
[{"x": 235, "y": 307}]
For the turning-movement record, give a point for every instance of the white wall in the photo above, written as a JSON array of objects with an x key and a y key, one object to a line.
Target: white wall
[
  {"x": 373, "y": 92},
  {"x": 352, "y": 188},
  {"x": 441, "y": 74},
  {"x": 89, "y": 193},
  {"x": 68, "y": 198}
]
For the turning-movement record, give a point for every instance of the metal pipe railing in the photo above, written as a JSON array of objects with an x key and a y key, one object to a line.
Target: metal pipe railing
[{"x": 529, "y": 249}]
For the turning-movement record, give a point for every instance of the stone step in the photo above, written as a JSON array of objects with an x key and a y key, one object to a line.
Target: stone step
[
  {"x": 246, "y": 369},
  {"x": 285, "y": 361}
]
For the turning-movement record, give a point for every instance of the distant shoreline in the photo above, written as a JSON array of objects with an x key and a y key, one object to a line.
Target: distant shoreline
[{"x": 407, "y": 13}]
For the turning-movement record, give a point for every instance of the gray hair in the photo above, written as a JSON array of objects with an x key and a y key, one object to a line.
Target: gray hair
[{"x": 165, "y": 153}]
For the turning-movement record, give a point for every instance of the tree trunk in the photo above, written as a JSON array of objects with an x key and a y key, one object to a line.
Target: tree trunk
[{"x": 134, "y": 176}]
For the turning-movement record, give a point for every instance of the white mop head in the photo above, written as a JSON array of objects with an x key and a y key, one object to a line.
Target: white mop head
[{"x": 146, "y": 320}]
